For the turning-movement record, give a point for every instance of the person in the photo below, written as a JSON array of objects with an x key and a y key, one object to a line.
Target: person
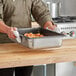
[{"x": 17, "y": 14}]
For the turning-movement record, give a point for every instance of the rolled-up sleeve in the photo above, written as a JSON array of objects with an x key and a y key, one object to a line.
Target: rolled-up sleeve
[
  {"x": 40, "y": 12},
  {"x": 1, "y": 10}
]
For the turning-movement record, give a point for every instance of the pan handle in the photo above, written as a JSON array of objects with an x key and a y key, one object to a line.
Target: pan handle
[{"x": 16, "y": 33}]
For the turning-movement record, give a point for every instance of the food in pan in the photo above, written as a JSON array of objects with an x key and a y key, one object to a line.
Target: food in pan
[{"x": 31, "y": 35}]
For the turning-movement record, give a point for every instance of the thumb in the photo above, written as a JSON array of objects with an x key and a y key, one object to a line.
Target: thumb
[{"x": 14, "y": 28}]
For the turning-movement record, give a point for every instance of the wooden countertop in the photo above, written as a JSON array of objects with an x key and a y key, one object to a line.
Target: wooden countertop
[{"x": 13, "y": 54}]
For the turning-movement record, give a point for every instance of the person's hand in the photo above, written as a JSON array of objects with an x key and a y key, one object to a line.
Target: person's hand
[
  {"x": 10, "y": 33},
  {"x": 49, "y": 25}
]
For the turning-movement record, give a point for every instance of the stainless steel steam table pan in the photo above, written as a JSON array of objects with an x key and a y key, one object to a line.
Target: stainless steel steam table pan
[{"x": 50, "y": 39}]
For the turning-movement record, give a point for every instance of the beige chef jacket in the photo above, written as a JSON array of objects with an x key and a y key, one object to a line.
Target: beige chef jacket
[{"x": 17, "y": 13}]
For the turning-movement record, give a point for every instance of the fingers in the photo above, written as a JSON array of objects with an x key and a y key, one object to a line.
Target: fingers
[
  {"x": 52, "y": 27},
  {"x": 14, "y": 28},
  {"x": 11, "y": 36},
  {"x": 10, "y": 32}
]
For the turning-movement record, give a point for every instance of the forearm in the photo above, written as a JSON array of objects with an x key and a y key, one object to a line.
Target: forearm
[
  {"x": 3, "y": 27},
  {"x": 6, "y": 29}
]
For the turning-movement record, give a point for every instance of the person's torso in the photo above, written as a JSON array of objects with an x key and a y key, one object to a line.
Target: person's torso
[{"x": 17, "y": 13}]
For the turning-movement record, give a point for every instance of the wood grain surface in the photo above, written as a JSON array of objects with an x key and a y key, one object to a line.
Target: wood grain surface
[{"x": 14, "y": 55}]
